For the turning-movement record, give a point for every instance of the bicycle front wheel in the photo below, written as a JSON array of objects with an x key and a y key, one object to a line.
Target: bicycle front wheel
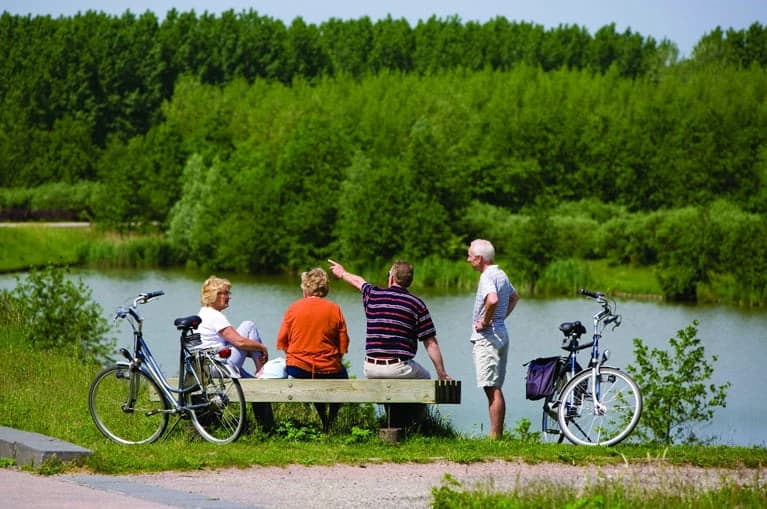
[
  {"x": 600, "y": 410},
  {"x": 127, "y": 406},
  {"x": 218, "y": 408}
]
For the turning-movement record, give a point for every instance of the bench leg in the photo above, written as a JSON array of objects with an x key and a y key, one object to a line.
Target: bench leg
[
  {"x": 264, "y": 416},
  {"x": 328, "y": 413},
  {"x": 405, "y": 415}
]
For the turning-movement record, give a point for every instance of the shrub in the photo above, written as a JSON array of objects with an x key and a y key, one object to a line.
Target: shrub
[
  {"x": 675, "y": 388},
  {"x": 58, "y": 314}
]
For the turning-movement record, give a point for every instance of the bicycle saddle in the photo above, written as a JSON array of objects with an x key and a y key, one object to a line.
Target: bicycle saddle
[
  {"x": 572, "y": 329},
  {"x": 187, "y": 322}
]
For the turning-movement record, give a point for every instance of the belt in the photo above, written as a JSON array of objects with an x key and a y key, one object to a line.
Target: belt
[{"x": 385, "y": 361}]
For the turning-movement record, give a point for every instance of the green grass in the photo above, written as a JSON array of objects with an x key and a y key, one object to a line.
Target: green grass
[
  {"x": 46, "y": 392},
  {"x": 599, "y": 494},
  {"x": 624, "y": 279},
  {"x": 37, "y": 246}
]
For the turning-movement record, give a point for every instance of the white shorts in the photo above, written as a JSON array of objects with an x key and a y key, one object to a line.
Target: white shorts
[{"x": 490, "y": 362}]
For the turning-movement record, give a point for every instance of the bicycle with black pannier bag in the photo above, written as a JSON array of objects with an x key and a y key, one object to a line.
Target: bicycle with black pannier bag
[{"x": 598, "y": 405}]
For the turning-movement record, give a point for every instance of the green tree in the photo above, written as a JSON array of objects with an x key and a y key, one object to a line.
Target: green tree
[
  {"x": 393, "y": 45},
  {"x": 535, "y": 246},
  {"x": 348, "y": 44},
  {"x": 193, "y": 224},
  {"x": 675, "y": 388},
  {"x": 687, "y": 245}
]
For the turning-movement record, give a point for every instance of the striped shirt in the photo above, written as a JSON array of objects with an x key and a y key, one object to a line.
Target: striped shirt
[{"x": 396, "y": 321}]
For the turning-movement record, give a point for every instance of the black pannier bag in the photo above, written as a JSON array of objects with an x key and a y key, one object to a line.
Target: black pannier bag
[{"x": 541, "y": 374}]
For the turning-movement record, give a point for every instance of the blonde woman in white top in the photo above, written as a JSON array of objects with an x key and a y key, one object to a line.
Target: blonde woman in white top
[{"x": 215, "y": 328}]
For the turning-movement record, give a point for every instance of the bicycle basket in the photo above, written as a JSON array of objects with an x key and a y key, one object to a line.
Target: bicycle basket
[{"x": 541, "y": 374}]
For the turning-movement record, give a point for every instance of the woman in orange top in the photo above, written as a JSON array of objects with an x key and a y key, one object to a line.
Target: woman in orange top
[{"x": 314, "y": 338}]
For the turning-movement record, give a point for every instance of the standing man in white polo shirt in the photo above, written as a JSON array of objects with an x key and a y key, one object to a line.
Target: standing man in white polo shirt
[{"x": 495, "y": 300}]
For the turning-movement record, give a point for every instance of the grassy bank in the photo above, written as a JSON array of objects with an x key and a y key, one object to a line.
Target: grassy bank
[
  {"x": 49, "y": 396},
  {"x": 46, "y": 392},
  {"x": 32, "y": 245}
]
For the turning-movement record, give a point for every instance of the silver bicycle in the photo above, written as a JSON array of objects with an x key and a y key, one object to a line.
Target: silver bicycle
[
  {"x": 131, "y": 402},
  {"x": 598, "y": 405}
]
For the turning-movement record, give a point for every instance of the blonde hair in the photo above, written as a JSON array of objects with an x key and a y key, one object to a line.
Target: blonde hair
[
  {"x": 315, "y": 282},
  {"x": 211, "y": 288}
]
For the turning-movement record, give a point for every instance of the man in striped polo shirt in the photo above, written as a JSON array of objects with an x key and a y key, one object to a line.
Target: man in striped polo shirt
[{"x": 396, "y": 321}]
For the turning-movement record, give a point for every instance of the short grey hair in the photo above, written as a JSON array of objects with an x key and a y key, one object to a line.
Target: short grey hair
[{"x": 483, "y": 248}]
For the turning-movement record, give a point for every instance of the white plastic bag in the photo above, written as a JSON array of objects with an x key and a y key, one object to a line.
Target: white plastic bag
[{"x": 274, "y": 368}]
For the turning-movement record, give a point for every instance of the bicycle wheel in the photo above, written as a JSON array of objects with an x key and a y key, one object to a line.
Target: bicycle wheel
[
  {"x": 218, "y": 408},
  {"x": 127, "y": 406},
  {"x": 605, "y": 419}
]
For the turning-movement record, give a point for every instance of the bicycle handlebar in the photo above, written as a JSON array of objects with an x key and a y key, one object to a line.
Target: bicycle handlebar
[
  {"x": 589, "y": 293},
  {"x": 607, "y": 315},
  {"x": 143, "y": 298}
]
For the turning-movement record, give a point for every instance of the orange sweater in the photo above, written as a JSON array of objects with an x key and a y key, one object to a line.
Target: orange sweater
[{"x": 313, "y": 335}]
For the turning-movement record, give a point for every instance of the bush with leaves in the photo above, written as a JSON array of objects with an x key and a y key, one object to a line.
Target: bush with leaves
[
  {"x": 57, "y": 313},
  {"x": 675, "y": 388}
]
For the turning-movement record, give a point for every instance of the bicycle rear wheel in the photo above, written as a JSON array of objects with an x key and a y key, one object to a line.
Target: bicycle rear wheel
[
  {"x": 127, "y": 406},
  {"x": 218, "y": 408},
  {"x": 601, "y": 413}
]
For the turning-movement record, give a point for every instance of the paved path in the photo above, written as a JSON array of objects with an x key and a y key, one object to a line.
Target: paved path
[{"x": 19, "y": 489}]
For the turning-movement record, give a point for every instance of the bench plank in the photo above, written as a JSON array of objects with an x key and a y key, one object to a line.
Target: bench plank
[
  {"x": 351, "y": 391},
  {"x": 291, "y": 390}
]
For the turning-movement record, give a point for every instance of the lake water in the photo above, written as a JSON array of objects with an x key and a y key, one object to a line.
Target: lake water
[{"x": 738, "y": 337}]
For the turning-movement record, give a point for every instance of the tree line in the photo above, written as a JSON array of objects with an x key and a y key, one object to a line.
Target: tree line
[
  {"x": 71, "y": 84},
  {"x": 256, "y": 145}
]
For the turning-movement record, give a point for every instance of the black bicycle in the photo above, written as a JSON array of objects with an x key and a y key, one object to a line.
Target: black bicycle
[
  {"x": 131, "y": 401},
  {"x": 599, "y": 405}
]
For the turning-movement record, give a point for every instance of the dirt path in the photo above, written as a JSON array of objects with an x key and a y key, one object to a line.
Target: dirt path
[{"x": 385, "y": 486}]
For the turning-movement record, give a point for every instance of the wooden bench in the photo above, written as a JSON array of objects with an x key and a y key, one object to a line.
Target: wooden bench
[
  {"x": 352, "y": 390},
  {"x": 393, "y": 393}
]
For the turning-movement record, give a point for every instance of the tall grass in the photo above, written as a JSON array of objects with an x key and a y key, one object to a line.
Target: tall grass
[
  {"x": 138, "y": 252},
  {"x": 603, "y": 494}
]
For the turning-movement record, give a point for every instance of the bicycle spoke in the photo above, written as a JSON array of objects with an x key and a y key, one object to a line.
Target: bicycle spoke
[
  {"x": 127, "y": 406},
  {"x": 604, "y": 419},
  {"x": 218, "y": 410}
]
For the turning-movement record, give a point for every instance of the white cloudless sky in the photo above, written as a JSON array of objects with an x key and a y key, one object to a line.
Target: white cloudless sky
[{"x": 683, "y": 22}]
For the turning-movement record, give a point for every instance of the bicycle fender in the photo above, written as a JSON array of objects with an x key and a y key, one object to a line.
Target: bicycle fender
[{"x": 226, "y": 369}]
